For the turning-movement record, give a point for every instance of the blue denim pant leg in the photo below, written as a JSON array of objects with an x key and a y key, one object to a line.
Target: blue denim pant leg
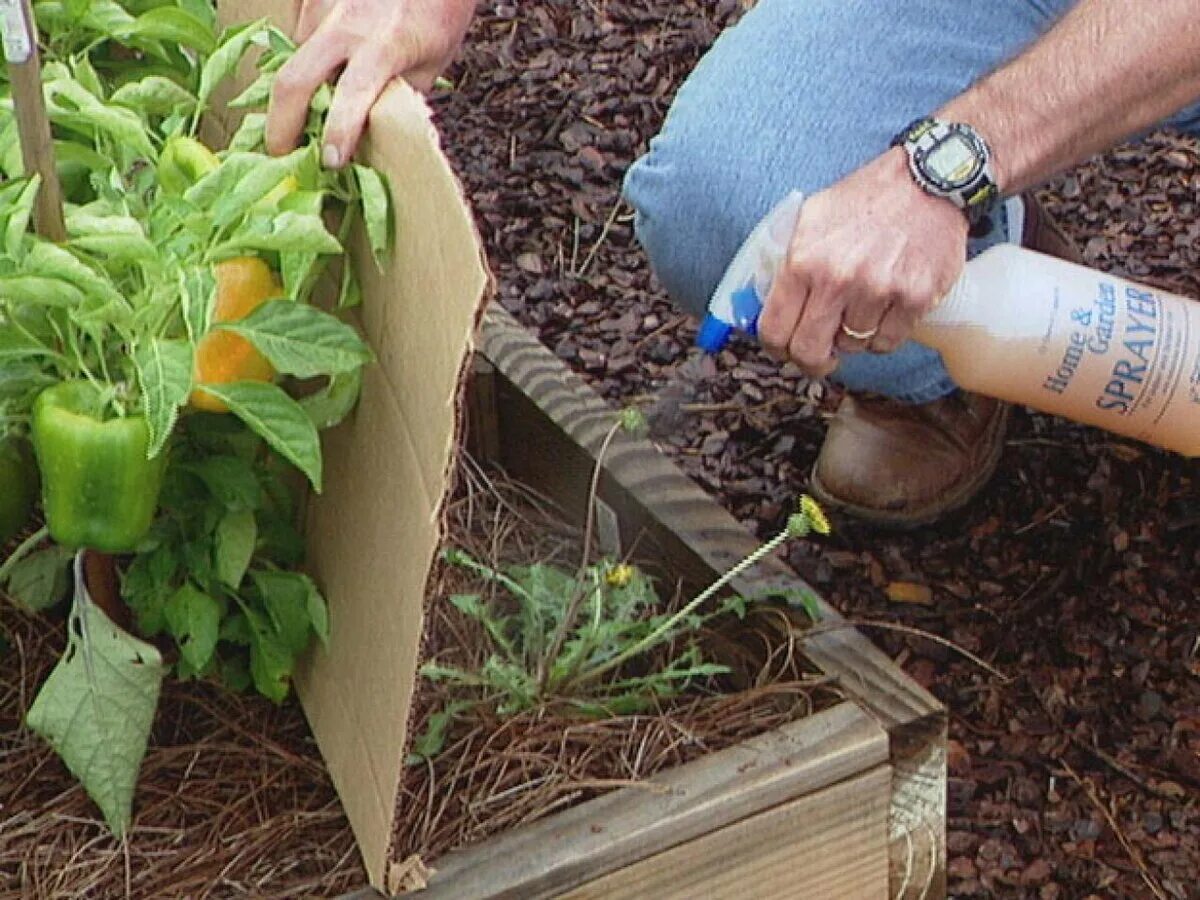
[{"x": 798, "y": 94}]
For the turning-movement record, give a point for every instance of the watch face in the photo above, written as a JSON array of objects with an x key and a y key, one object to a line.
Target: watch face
[{"x": 953, "y": 161}]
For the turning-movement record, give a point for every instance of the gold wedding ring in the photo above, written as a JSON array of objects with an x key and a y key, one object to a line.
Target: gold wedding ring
[{"x": 859, "y": 335}]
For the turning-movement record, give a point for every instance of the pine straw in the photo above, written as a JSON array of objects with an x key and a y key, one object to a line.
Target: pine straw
[
  {"x": 495, "y": 775},
  {"x": 234, "y": 800}
]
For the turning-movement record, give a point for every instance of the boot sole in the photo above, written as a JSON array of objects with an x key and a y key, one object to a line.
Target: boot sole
[{"x": 951, "y": 502}]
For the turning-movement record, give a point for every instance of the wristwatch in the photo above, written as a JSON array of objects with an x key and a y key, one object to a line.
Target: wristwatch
[{"x": 951, "y": 160}]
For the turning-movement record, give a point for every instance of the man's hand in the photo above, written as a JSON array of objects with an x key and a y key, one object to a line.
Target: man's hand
[
  {"x": 872, "y": 253},
  {"x": 376, "y": 41}
]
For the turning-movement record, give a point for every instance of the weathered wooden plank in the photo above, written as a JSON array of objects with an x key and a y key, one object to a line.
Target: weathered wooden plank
[
  {"x": 832, "y": 844},
  {"x": 704, "y": 797},
  {"x": 552, "y": 426}
]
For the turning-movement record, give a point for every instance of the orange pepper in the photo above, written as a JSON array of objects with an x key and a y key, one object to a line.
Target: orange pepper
[{"x": 243, "y": 285}]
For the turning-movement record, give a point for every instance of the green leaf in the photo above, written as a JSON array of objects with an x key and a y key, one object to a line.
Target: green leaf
[
  {"x": 16, "y": 290},
  {"x": 231, "y": 480},
  {"x": 254, "y": 185},
  {"x": 250, "y": 134},
  {"x": 72, "y": 105},
  {"x": 301, "y": 340},
  {"x": 226, "y": 57},
  {"x": 284, "y": 231},
  {"x": 376, "y": 206},
  {"x": 174, "y": 25},
  {"x": 331, "y": 404},
  {"x": 318, "y": 614},
  {"x": 271, "y": 663},
  {"x": 277, "y": 419},
  {"x": 164, "y": 369},
  {"x": 257, "y": 94},
  {"x": 220, "y": 181},
  {"x": 40, "y": 580},
  {"x": 16, "y": 345},
  {"x": 154, "y": 95},
  {"x": 194, "y": 618},
  {"x": 97, "y": 706},
  {"x": 286, "y": 597},
  {"x": 197, "y": 290},
  {"x": 430, "y": 742},
  {"x": 237, "y": 535},
  {"x": 18, "y": 216},
  {"x": 49, "y": 259}
]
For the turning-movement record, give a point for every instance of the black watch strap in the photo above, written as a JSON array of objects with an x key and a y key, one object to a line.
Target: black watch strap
[{"x": 972, "y": 187}]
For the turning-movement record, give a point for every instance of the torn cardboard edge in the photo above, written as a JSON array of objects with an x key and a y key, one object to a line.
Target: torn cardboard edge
[{"x": 374, "y": 533}]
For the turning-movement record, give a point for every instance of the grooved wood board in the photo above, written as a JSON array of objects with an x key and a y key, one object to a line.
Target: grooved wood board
[{"x": 777, "y": 854}]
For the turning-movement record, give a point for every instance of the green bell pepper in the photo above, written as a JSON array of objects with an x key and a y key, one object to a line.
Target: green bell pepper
[
  {"x": 18, "y": 486},
  {"x": 183, "y": 162},
  {"x": 99, "y": 490}
]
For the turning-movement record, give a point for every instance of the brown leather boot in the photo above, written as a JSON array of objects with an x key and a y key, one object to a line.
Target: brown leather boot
[{"x": 904, "y": 465}]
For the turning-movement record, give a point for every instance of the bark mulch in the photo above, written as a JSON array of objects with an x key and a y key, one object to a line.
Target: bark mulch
[{"x": 1073, "y": 574}]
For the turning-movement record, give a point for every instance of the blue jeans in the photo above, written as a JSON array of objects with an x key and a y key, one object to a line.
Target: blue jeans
[{"x": 799, "y": 94}]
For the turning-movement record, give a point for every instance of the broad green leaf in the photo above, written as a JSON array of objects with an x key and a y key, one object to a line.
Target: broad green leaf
[
  {"x": 283, "y": 232},
  {"x": 278, "y": 419},
  {"x": 72, "y": 105},
  {"x": 197, "y": 291},
  {"x": 332, "y": 403},
  {"x": 254, "y": 185},
  {"x": 220, "y": 181},
  {"x": 376, "y": 207},
  {"x": 154, "y": 95},
  {"x": 285, "y": 597},
  {"x": 237, "y": 535},
  {"x": 301, "y": 340},
  {"x": 86, "y": 75},
  {"x": 171, "y": 24},
  {"x": 52, "y": 260},
  {"x": 125, "y": 247},
  {"x": 271, "y": 663},
  {"x": 107, "y": 17},
  {"x": 17, "y": 345},
  {"x": 41, "y": 579},
  {"x": 18, "y": 216},
  {"x": 257, "y": 94},
  {"x": 149, "y": 580},
  {"x": 430, "y": 742},
  {"x": 231, "y": 480},
  {"x": 194, "y": 618},
  {"x": 97, "y": 706},
  {"x": 318, "y": 614},
  {"x": 20, "y": 289},
  {"x": 350, "y": 294},
  {"x": 164, "y": 370},
  {"x": 226, "y": 57},
  {"x": 250, "y": 134}
]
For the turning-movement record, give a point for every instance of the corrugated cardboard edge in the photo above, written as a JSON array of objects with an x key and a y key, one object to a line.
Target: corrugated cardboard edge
[{"x": 375, "y": 533}]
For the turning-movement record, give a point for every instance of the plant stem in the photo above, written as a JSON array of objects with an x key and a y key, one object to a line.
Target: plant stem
[
  {"x": 22, "y": 551},
  {"x": 658, "y": 634},
  {"x": 568, "y": 621}
]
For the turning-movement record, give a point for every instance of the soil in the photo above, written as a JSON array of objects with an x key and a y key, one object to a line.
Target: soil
[{"x": 1073, "y": 572}]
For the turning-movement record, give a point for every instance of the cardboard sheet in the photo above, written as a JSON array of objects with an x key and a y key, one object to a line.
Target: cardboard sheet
[{"x": 374, "y": 532}]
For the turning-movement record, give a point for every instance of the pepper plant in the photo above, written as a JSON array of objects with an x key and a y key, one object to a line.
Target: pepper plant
[{"x": 151, "y": 358}]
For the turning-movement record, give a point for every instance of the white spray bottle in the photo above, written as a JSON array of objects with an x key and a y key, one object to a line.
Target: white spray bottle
[{"x": 1027, "y": 328}]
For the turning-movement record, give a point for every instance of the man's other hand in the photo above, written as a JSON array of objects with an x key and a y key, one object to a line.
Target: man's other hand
[{"x": 375, "y": 41}]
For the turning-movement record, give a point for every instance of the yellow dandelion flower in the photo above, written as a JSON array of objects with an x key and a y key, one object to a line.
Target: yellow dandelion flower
[
  {"x": 811, "y": 510},
  {"x": 619, "y": 576}
]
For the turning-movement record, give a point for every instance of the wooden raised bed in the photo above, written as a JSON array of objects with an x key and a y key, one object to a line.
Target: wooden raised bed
[{"x": 848, "y": 803}]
